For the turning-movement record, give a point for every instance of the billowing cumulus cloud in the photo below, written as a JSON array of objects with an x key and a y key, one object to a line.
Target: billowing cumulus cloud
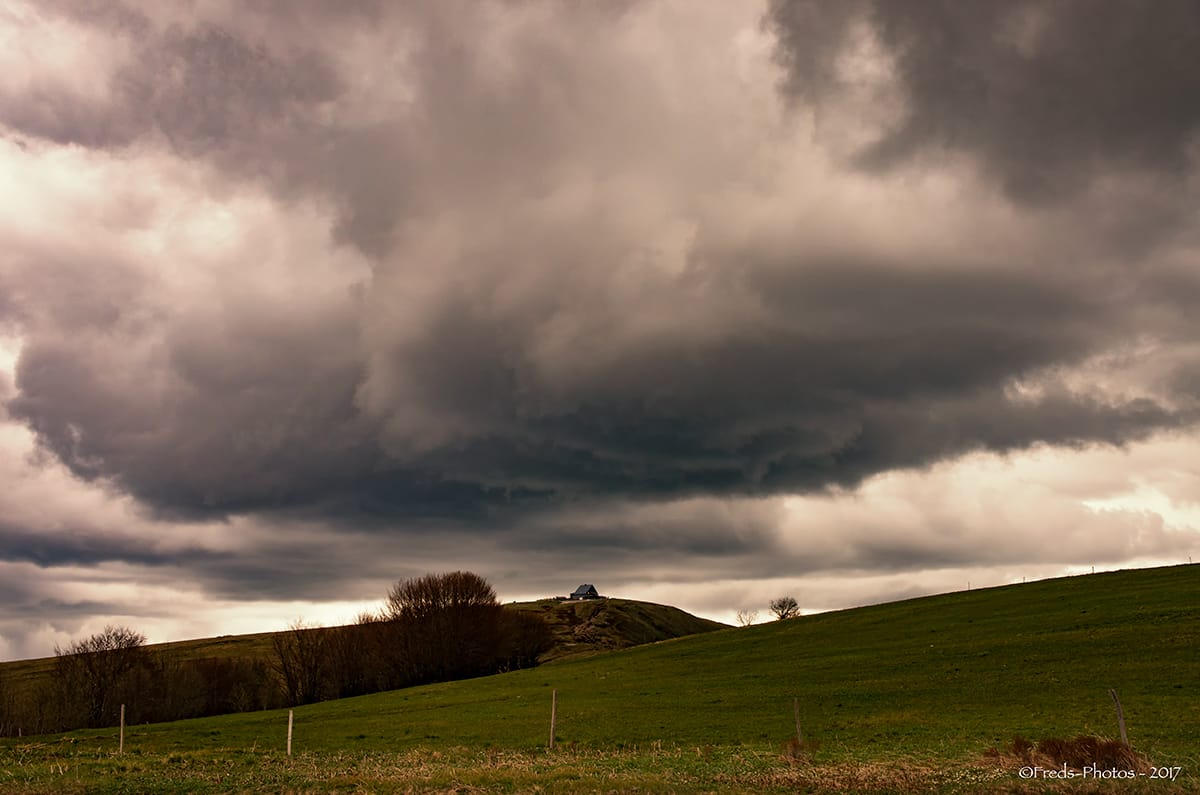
[{"x": 530, "y": 284}]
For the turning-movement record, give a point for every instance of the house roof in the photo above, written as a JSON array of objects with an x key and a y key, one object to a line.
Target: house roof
[{"x": 585, "y": 588}]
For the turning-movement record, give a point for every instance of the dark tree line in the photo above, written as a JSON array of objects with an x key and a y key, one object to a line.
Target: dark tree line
[
  {"x": 91, "y": 679},
  {"x": 433, "y": 628}
]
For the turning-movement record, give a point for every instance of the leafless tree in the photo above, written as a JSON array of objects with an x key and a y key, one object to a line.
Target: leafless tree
[
  {"x": 746, "y": 617},
  {"x": 433, "y": 594},
  {"x": 446, "y": 626},
  {"x": 301, "y": 661},
  {"x": 785, "y": 607},
  {"x": 93, "y": 673}
]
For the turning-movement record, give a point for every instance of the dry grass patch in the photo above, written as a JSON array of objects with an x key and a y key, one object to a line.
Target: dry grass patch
[{"x": 1074, "y": 754}]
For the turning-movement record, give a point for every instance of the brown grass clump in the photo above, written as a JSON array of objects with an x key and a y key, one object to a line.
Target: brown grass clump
[
  {"x": 799, "y": 752},
  {"x": 1075, "y": 753}
]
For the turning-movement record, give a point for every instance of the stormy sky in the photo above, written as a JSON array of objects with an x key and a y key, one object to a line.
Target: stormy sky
[{"x": 703, "y": 302}]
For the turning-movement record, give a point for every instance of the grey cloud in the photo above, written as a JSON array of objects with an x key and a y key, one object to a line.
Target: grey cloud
[
  {"x": 1048, "y": 96},
  {"x": 64, "y": 292},
  {"x": 851, "y": 371},
  {"x": 228, "y": 94},
  {"x": 278, "y": 109},
  {"x": 629, "y": 543},
  {"x": 515, "y": 345},
  {"x": 562, "y": 294},
  {"x": 252, "y": 423},
  {"x": 89, "y": 545},
  {"x": 204, "y": 88}
]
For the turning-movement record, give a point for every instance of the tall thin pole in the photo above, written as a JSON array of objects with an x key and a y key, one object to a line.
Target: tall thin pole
[
  {"x": 121, "y": 742},
  {"x": 1120, "y": 717},
  {"x": 796, "y": 710},
  {"x": 290, "y": 716},
  {"x": 553, "y": 716}
]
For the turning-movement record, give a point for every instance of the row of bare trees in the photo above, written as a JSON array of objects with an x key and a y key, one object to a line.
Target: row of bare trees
[
  {"x": 432, "y": 628},
  {"x": 91, "y": 678}
]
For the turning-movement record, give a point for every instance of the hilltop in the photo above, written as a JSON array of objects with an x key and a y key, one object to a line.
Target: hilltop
[{"x": 593, "y": 625}]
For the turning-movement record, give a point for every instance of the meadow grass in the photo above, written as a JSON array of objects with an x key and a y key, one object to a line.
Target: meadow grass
[{"x": 914, "y": 693}]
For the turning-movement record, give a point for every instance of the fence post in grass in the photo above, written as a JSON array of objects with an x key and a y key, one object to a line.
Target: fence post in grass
[
  {"x": 121, "y": 741},
  {"x": 1120, "y": 717},
  {"x": 553, "y": 716},
  {"x": 290, "y": 716},
  {"x": 796, "y": 711}
]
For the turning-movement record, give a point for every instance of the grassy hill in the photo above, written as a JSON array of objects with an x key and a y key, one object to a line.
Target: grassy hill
[{"x": 913, "y": 691}]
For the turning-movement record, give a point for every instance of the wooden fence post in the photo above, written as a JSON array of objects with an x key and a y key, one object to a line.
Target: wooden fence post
[
  {"x": 1120, "y": 717},
  {"x": 796, "y": 710},
  {"x": 553, "y": 716},
  {"x": 121, "y": 742},
  {"x": 290, "y": 715}
]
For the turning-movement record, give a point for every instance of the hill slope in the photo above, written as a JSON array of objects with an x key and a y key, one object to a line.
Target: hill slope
[
  {"x": 905, "y": 697},
  {"x": 945, "y": 676}
]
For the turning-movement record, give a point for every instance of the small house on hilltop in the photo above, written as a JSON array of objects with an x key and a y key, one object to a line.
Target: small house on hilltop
[{"x": 585, "y": 591}]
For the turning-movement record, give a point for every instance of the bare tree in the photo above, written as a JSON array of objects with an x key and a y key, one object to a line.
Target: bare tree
[
  {"x": 447, "y": 626},
  {"x": 301, "y": 662},
  {"x": 93, "y": 672},
  {"x": 432, "y": 594},
  {"x": 785, "y": 607},
  {"x": 746, "y": 617}
]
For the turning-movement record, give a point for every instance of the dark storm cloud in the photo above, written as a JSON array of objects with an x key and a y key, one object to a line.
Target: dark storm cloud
[
  {"x": 243, "y": 424},
  {"x": 1048, "y": 95},
  {"x": 533, "y": 328},
  {"x": 84, "y": 546}
]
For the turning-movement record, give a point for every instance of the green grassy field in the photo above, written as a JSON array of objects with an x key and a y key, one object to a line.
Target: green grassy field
[{"x": 902, "y": 697}]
